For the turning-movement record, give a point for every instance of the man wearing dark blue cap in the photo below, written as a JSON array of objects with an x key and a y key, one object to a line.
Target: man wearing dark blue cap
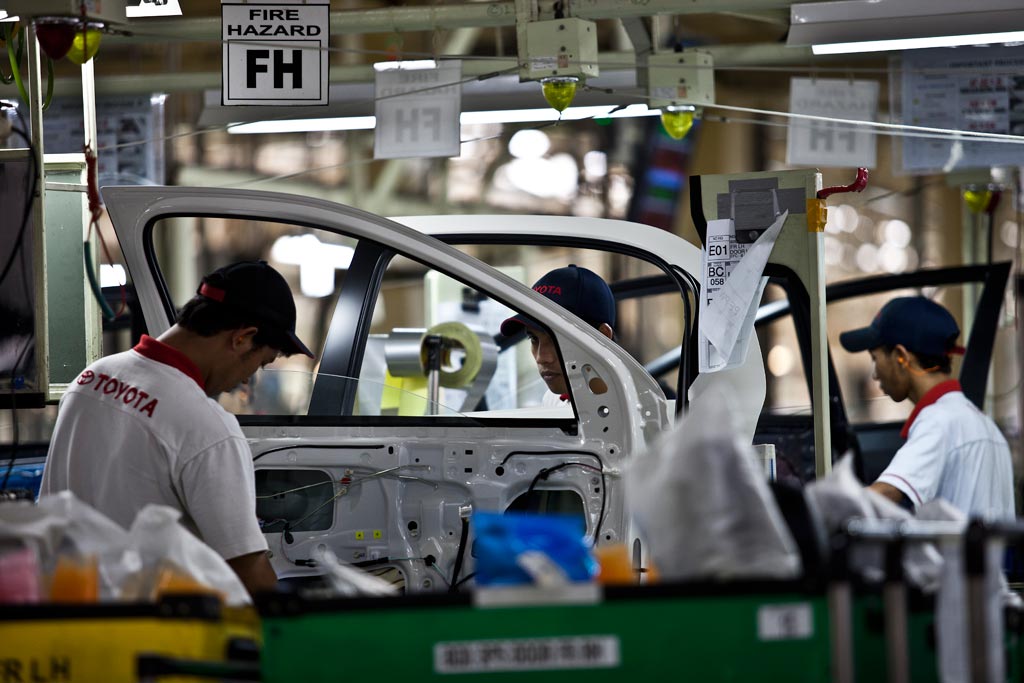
[
  {"x": 953, "y": 450},
  {"x": 580, "y": 291},
  {"x": 144, "y": 427}
]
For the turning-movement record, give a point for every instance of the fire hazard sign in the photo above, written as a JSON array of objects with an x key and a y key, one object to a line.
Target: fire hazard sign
[{"x": 275, "y": 54}]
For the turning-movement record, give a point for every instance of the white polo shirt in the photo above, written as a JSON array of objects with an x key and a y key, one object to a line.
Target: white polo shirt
[
  {"x": 137, "y": 428},
  {"x": 954, "y": 452}
]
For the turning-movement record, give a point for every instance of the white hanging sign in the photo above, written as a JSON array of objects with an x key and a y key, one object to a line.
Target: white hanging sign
[
  {"x": 152, "y": 8},
  {"x": 975, "y": 89},
  {"x": 418, "y": 112},
  {"x": 275, "y": 54},
  {"x": 814, "y": 142}
]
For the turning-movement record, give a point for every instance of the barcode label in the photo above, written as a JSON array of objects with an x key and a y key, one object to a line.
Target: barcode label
[
  {"x": 785, "y": 622},
  {"x": 528, "y": 654}
]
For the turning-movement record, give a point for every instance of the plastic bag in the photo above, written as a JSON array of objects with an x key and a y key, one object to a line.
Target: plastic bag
[
  {"x": 157, "y": 536},
  {"x": 704, "y": 505},
  {"x": 546, "y": 550},
  {"x": 842, "y": 497},
  {"x": 61, "y": 524}
]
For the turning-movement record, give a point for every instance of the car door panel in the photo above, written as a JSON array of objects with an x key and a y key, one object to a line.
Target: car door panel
[{"x": 421, "y": 473}]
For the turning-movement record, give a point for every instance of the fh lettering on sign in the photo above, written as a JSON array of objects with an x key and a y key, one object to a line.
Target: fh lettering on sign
[{"x": 275, "y": 54}]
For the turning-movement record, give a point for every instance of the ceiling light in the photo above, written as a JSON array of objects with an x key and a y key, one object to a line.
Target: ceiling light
[
  {"x": 529, "y": 144},
  {"x": 467, "y": 118},
  {"x": 305, "y": 125},
  {"x": 407, "y": 65},
  {"x": 918, "y": 43},
  {"x": 875, "y": 25}
]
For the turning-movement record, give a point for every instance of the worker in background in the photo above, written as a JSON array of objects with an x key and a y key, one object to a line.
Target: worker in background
[
  {"x": 144, "y": 427},
  {"x": 953, "y": 450},
  {"x": 582, "y": 292}
]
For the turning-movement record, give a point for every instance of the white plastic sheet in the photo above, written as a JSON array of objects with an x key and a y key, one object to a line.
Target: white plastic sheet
[{"x": 703, "y": 502}]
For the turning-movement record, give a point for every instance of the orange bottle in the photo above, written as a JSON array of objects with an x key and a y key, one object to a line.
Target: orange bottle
[{"x": 75, "y": 579}]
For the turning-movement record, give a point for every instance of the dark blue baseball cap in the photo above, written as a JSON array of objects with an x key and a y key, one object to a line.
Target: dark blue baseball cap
[
  {"x": 921, "y": 325},
  {"x": 258, "y": 290},
  {"x": 576, "y": 289}
]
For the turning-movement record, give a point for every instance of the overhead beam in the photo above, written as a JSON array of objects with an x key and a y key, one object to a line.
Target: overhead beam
[
  {"x": 773, "y": 54},
  {"x": 445, "y": 17}
]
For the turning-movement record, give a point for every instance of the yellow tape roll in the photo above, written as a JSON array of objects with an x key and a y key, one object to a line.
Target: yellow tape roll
[{"x": 462, "y": 337}]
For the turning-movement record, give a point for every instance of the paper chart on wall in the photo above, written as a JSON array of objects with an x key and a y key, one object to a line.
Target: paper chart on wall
[{"x": 731, "y": 288}]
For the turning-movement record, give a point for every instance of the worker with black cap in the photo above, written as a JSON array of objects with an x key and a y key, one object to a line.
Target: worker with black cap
[
  {"x": 953, "y": 450},
  {"x": 144, "y": 427},
  {"x": 580, "y": 291}
]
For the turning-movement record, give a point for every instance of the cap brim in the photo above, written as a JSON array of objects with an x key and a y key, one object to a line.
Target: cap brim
[
  {"x": 864, "y": 339},
  {"x": 514, "y": 325},
  {"x": 297, "y": 346}
]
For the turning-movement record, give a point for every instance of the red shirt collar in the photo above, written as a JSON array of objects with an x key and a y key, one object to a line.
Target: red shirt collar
[
  {"x": 563, "y": 397},
  {"x": 154, "y": 349},
  {"x": 930, "y": 397}
]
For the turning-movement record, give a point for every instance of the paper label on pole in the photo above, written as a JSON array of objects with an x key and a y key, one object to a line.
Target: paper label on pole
[
  {"x": 152, "y": 8},
  {"x": 275, "y": 54},
  {"x": 418, "y": 112},
  {"x": 972, "y": 89},
  {"x": 731, "y": 288},
  {"x": 812, "y": 142}
]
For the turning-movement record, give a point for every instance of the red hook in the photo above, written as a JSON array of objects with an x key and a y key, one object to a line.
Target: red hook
[{"x": 856, "y": 186}]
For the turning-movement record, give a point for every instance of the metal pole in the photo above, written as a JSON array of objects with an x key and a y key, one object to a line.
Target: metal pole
[
  {"x": 433, "y": 344},
  {"x": 894, "y": 594},
  {"x": 977, "y": 624},
  {"x": 840, "y": 613},
  {"x": 192, "y": 81},
  {"x": 814, "y": 271},
  {"x": 35, "y": 105}
]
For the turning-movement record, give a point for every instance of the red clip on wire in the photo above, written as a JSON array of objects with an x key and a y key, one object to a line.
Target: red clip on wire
[
  {"x": 95, "y": 212},
  {"x": 857, "y": 185}
]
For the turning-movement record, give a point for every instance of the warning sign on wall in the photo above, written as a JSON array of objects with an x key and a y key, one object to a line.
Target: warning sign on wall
[
  {"x": 275, "y": 54},
  {"x": 825, "y": 141}
]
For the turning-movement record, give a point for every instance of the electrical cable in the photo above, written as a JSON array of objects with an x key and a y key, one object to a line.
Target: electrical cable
[
  {"x": 28, "y": 205},
  {"x": 16, "y": 249},
  {"x": 14, "y": 418},
  {"x": 450, "y": 587},
  {"x": 344, "y": 488},
  {"x": 465, "y": 578},
  {"x": 604, "y": 487},
  {"x": 331, "y": 481},
  {"x": 545, "y": 472},
  {"x": 512, "y": 454},
  {"x": 95, "y": 205},
  {"x": 459, "y": 556}
]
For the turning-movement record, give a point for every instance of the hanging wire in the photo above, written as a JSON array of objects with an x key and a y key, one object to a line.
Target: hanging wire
[{"x": 878, "y": 128}]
